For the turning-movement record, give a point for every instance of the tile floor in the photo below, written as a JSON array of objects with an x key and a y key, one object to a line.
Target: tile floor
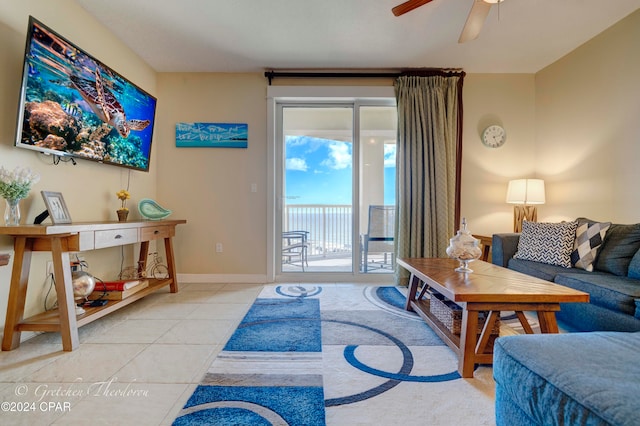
[{"x": 136, "y": 366}]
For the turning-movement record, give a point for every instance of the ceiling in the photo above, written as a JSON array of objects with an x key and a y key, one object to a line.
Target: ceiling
[{"x": 519, "y": 36}]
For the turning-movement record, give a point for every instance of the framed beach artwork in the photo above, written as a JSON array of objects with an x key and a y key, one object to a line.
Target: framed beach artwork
[{"x": 212, "y": 135}]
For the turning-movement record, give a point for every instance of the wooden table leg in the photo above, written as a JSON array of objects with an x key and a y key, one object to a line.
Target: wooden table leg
[
  {"x": 468, "y": 340},
  {"x": 171, "y": 264},
  {"x": 64, "y": 292},
  {"x": 524, "y": 322},
  {"x": 411, "y": 292},
  {"x": 548, "y": 323},
  {"x": 487, "y": 330},
  {"x": 17, "y": 293}
]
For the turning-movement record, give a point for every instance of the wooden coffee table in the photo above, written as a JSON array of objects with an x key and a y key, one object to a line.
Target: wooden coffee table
[{"x": 489, "y": 288}]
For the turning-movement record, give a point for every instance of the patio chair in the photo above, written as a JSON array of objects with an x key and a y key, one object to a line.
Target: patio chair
[
  {"x": 294, "y": 245},
  {"x": 379, "y": 237}
]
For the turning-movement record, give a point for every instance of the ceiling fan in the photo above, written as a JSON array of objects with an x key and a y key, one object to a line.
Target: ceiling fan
[{"x": 475, "y": 20}]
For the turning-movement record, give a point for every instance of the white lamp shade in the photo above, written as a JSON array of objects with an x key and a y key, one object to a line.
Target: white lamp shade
[{"x": 526, "y": 191}]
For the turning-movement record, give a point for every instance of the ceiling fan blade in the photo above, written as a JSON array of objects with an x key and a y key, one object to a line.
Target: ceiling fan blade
[
  {"x": 475, "y": 21},
  {"x": 408, "y": 6}
]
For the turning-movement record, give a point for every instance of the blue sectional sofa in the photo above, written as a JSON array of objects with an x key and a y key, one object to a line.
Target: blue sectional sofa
[
  {"x": 613, "y": 285},
  {"x": 590, "y": 378},
  {"x": 567, "y": 379}
]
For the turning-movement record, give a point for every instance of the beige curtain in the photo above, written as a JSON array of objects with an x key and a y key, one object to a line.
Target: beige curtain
[{"x": 428, "y": 159}]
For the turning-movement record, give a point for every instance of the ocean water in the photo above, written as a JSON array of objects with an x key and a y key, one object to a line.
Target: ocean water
[{"x": 329, "y": 228}]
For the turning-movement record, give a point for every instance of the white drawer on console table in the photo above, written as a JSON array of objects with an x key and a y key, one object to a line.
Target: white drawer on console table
[{"x": 115, "y": 237}]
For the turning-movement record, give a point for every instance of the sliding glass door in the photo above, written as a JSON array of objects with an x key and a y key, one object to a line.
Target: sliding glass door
[
  {"x": 377, "y": 139},
  {"x": 335, "y": 187},
  {"x": 317, "y": 188}
]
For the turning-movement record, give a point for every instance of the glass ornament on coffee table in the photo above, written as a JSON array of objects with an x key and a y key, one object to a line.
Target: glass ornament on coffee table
[{"x": 464, "y": 247}]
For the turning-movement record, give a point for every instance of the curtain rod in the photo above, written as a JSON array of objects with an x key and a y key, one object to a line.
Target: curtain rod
[{"x": 422, "y": 72}]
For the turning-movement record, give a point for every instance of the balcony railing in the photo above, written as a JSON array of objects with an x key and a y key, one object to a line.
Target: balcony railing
[{"x": 329, "y": 227}]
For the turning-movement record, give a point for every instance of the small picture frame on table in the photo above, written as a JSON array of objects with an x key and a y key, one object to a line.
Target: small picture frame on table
[{"x": 56, "y": 207}]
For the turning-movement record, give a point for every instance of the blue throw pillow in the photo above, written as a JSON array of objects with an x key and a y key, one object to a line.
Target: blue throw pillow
[
  {"x": 634, "y": 268},
  {"x": 620, "y": 245}
]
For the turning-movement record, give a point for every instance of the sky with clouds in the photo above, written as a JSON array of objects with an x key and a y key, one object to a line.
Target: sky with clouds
[{"x": 318, "y": 171}]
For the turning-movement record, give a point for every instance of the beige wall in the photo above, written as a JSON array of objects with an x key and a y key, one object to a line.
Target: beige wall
[
  {"x": 211, "y": 187},
  {"x": 88, "y": 188},
  {"x": 588, "y": 128},
  {"x": 508, "y": 100}
]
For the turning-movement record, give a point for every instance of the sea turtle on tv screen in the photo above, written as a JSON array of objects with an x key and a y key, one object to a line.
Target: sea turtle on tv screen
[{"x": 105, "y": 105}]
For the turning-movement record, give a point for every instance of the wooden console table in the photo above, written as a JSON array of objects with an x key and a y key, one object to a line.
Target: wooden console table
[{"x": 60, "y": 240}]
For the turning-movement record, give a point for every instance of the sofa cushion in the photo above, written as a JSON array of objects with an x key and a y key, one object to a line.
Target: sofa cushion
[
  {"x": 541, "y": 270},
  {"x": 618, "y": 248},
  {"x": 634, "y": 266},
  {"x": 576, "y": 378},
  {"x": 590, "y": 317},
  {"x": 550, "y": 243},
  {"x": 606, "y": 290},
  {"x": 589, "y": 237}
]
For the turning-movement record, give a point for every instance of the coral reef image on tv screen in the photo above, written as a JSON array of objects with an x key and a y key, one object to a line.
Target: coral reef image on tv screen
[{"x": 72, "y": 104}]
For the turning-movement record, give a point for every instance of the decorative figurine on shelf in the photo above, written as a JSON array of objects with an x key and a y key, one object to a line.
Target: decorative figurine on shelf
[
  {"x": 151, "y": 210},
  {"x": 14, "y": 186},
  {"x": 123, "y": 195},
  {"x": 464, "y": 248},
  {"x": 83, "y": 285}
]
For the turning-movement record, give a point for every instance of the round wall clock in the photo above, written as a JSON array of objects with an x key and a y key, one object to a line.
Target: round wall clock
[{"x": 494, "y": 136}]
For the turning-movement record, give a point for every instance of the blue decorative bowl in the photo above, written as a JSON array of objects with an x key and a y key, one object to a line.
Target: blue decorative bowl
[{"x": 151, "y": 210}]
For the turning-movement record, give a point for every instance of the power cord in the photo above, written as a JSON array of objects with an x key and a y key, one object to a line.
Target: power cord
[
  {"x": 46, "y": 297},
  {"x": 82, "y": 264},
  {"x": 121, "y": 261},
  {"x": 58, "y": 158},
  {"x": 99, "y": 301}
]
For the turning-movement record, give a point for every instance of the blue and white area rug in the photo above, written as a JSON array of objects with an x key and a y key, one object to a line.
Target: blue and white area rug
[{"x": 337, "y": 355}]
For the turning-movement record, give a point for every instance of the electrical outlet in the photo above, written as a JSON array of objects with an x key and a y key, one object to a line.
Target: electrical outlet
[
  {"x": 218, "y": 247},
  {"x": 49, "y": 268}
]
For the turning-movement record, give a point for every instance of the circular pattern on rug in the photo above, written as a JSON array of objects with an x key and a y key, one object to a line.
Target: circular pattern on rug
[
  {"x": 389, "y": 300},
  {"x": 298, "y": 290},
  {"x": 394, "y": 378},
  {"x": 223, "y": 410}
]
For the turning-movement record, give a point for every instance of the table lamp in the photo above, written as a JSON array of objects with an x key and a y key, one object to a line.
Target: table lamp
[{"x": 525, "y": 194}]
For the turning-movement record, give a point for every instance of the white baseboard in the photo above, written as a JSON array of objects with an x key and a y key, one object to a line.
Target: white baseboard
[{"x": 222, "y": 278}]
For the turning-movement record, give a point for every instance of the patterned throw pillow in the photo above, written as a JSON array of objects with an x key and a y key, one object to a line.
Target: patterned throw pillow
[
  {"x": 550, "y": 243},
  {"x": 589, "y": 237}
]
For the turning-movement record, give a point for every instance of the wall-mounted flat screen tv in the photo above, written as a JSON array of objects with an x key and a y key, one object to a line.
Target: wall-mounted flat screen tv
[{"x": 71, "y": 104}]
